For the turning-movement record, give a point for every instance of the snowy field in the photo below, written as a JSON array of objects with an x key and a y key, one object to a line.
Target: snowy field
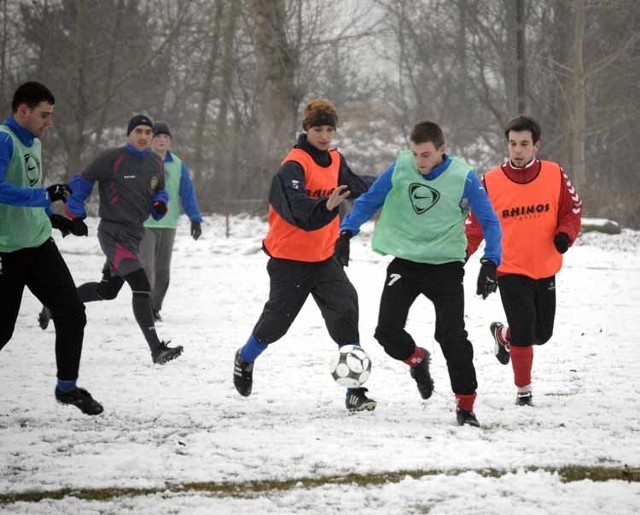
[{"x": 179, "y": 439}]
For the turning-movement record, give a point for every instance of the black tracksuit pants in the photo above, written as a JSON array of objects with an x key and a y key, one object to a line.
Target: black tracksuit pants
[
  {"x": 291, "y": 282},
  {"x": 443, "y": 286},
  {"x": 43, "y": 270}
]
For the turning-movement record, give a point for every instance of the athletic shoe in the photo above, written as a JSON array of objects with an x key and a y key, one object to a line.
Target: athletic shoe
[
  {"x": 422, "y": 377},
  {"x": 242, "y": 375},
  {"x": 81, "y": 399},
  {"x": 524, "y": 399},
  {"x": 501, "y": 346},
  {"x": 466, "y": 418},
  {"x": 164, "y": 353},
  {"x": 358, "y": 401},
  {"x": 44, "y": 317}
]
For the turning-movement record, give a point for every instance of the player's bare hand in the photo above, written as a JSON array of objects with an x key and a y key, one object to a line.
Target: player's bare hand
[{"x": 337, "y": 197}]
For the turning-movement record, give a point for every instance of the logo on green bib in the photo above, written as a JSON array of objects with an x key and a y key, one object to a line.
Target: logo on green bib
[
  {"x": 422, "y": 197},
  {"x": 32, "y": 167}
]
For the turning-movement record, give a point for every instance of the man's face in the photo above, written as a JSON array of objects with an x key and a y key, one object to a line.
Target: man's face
[
  {"x": 522, "y": 149},
  {"x": 427, "y": 156},
  {"x": 35, "y": 120},
  {"x": 140, "y": 137},
  {"x": 161, "y": 143},
  {"x": 321, "y": 136}
]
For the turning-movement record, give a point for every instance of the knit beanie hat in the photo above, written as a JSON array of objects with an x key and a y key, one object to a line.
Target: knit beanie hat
[
  {"x": 319, "y": 111},
  {"x": 139, "y": 119},
  {"x": 161, "y": 128}
]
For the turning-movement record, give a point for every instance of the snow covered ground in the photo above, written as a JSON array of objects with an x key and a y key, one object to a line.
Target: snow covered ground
[{"x": 178, "y": 438}]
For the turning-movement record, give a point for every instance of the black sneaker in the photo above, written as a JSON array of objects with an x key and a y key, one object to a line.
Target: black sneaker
[
  {"x": 466, "y": 418},
  {"x": 44, "y": 317},
  {"x": 242, "y": 375},
  {"x": 422, "y": 377},
  {"x": 164, "y": 353},
  {"x": 81, "y": 399},
  {"x": 524, "y": 399},
  {"x": 358, "y": 401},
  {"x": 501, "y": 347}
]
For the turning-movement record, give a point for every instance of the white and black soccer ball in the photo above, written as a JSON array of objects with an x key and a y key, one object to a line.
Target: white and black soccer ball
[{"x": 350, "y": 366}]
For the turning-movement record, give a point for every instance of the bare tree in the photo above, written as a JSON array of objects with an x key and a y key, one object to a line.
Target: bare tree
[
  {"x": 98, "y": 81},
  {"x": 276, "y": 70}
]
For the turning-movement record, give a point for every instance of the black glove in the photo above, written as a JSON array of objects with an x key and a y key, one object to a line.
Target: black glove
[
  {"x": 341, "y": 250},
  {"x": 78, "y": 227},
  {"x": 196, "y": 230},
  {"x": 68, "y": 226},
  {"x": 561, "y": 241},
  {"x": 59, "y": 192},
  {"x": 160, "y": 207},
  {"x": 62, "y": 223},
  {"x": 487, "y": 281}
]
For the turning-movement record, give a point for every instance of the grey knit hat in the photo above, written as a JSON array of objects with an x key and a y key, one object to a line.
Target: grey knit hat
[{"x": 161, "y": 128}]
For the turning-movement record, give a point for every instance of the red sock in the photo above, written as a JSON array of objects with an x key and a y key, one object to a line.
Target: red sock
[
  {"x": 465, "y": 400},
  {"x": 521, "y": 360},
  {"x": 416, "y": 357}
]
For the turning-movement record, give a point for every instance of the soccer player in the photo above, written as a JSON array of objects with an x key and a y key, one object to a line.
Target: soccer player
[
  {"x": 306, "y": 192},
  {"x": 425, "y": 196},
  {"x": 156, "y": 247},
  {"x": 28, "y": 255},
  {"x": 131, "y": 184},
  {"x": 540, "y": 214}
]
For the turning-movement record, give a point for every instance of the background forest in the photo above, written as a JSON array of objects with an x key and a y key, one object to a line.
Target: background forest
[{"x": 232, "y": 76}]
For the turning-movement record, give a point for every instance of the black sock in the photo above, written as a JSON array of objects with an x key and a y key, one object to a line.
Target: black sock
[
  {"x": 144, "y": 316},
  {"x": 88, "y": 292}
]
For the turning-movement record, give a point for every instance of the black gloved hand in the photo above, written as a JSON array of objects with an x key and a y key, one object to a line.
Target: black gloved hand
[
  {"x": 487, "y": 281},
  {"x": 561, "y": 241},
  {"x": 341, "y": 250},
  {"x": 160, "y": 207},
  {"x": 196, "y": 230},
  {"x": 78, "y": 227},
  {"x": 59, "y": 192},
  {"x": 62, "y": 223}
]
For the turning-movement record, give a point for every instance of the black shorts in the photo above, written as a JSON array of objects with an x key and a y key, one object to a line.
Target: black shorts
[{"x": 530, "y": 306}]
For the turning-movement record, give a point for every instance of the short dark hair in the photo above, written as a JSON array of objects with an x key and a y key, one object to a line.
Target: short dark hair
[
  {"x": 427, "y": 131},
  {"x": 524, "y": 122},
  {"x": 31, "y": 94}
]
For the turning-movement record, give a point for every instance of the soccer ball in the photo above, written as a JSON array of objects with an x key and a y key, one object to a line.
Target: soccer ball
[{"x": 350, "y": 366}]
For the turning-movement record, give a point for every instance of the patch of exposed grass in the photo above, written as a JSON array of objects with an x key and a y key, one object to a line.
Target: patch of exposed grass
[{"x": 249, "y": 489}]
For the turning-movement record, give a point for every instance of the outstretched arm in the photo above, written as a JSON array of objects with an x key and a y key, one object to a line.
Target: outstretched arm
[
  {"x": 81, "y": 188},
  {"x": 366, "y": 205}
]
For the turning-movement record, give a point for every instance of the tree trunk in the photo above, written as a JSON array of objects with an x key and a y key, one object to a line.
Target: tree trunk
[
  {"x": 520, "y": 56},
  {"x": 75, "y": 132},
  {"x": 108, "y": 81},
  {"x": 222, "y": 146},
  {"x": 3, "y": 53},
  {"x": 205, "y": 97},
  {"x": 578, "y": 117},
  {"x": 276, "y": 69}
]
